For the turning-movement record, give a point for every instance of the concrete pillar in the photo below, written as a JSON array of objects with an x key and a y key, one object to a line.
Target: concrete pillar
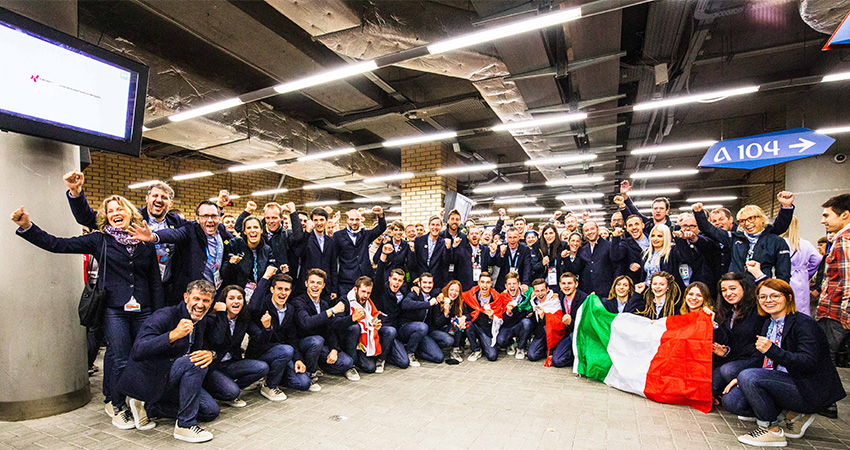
[
  {"x": 424, "y": 195},
  {"x": 43, "y": 351},
  {"x": 814, "y": 180}
]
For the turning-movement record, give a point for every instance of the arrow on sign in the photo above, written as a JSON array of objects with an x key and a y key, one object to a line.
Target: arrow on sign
[{"x": 804, "y": 145}]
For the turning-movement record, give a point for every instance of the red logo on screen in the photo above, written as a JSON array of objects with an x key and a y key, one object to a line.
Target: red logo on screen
[{"x": 34, "y": 78}]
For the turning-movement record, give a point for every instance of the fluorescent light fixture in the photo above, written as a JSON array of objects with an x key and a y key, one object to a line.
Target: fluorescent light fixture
[
  {"x": 143, "y": 184},
  {"x": 597, "y": 213},
  {"x": 836, "y": 77},
  {"x": 580, "y": 207},
  {"x": 323, "y": 203},
  {"x": 559, "y": 160},
  {"x": 393, "y": 218},
  {"x": 726, "y": 198},
  {"x": 537, "y": 216},
  {"x": 497, "y": 188},
  {"x": 657, "y": 191},
  {"x": 472, "y": 168},
  {"x": 672, "y": 147},
  {"x": 401, "y": 142},
  {"x": 514, "y": 200},
  {"x": 310, "y": 187},
  {"x": 395, "y": 209},
  {"x": 488, "y": 218},
  {"x": 246, "y": 167},
  {"x": 204, "y": 110},
  {"x": 189, "y": 176},
  {"x": 664, "y": 173},
  {"x": 398, "y": 176},
  {"x": 585, "y": 196},
  {"x": 704, "y": 207},
  {"x": 640, "y": 203},
  {"x": 478, "y": 212},
  {"x": 327, "y": 154},
  {"x": 574, "y": 180},
  {"x": 511, "y": 29},
  {"x": 326, "y": 77},
  {"x": 526, "y": 209},
  {"x": 372, "y": 199},
  {"x": 543, "y": 121},
  {"x": 833, "y": 130},
  {"x": 232, "y": 197},
  {"x": 719, "y": 95},
  {"x": 269, "y": 192}
]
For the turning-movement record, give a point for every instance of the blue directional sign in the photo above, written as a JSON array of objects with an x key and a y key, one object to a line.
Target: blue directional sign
[
  {"x": 840, "y": 37},
  {"x": 763, "y": 150}
]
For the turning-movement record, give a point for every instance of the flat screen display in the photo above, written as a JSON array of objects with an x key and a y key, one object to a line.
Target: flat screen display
[{"x": 56, "y": 86}]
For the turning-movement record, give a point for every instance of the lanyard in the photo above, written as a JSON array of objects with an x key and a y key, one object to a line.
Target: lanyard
[
  {"x": 515, "y": 258},
  {"x": 777, "y": 339},
  {"x": 214, "y": 258},
  {"x": 255, "y": 264}
]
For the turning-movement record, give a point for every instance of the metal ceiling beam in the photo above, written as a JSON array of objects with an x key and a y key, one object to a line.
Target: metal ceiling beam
[{"x": 563, "y": 70}]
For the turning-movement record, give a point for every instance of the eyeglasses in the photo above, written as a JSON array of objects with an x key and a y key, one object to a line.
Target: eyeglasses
[
  {"x": 688, "y": 226},
  {"x": 749, "y": 219},
  {"x": 773, "y": 297},
  {"x": 208, "y": 216}
]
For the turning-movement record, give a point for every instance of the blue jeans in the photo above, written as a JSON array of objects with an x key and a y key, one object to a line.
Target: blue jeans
[
  {"x": 765, "y": 394},
  {"x": 120, "y": 329},
  {"x": 562, "y": 354},
  {"x": 391, "y": 350},
  {"x": 538, "y": 348},
  {"x": 480, "y": 339},
  {"x": 184, "y": 397},
  {"x": 340, "y": 366},
  {"x": 412, "y": 334},
  {"x": 278, "y": 358},
  {"x": 229, "y": 377},
  {"x": 520, "y": 331},
  {"x": 721, "y": 376},
  {"x": 310, "y": 347}
]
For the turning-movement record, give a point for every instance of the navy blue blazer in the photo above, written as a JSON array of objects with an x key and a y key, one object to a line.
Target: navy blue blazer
[
  {"x": 191, "y": 256},
  {"x": 261, "y": 339},
  {"x": 221, "y": 340},
  {"x": 308, "y": 322},
  {"x": 648, "y": 221},
  {"x": 741, "y": 336},
  {"x": 522, "y": 262},
  {"x": 635, "y": 303},
  {"x": 415, "y": 307},
  {"x": 354, "y": 258},
  {"x": 281, "y": 241},
  {"x": 440, "y": 259},
  {"x": 87, "y": 217},
  {"x": 804, "y": 352},
  {"x": 243, "y": 272},
  {"x": 385, "y": 299},
  {"x": 121, "y": 275},
  {"x": 312, "y": 256},
  {"x": 629, "y": 252},
  {"x": 460, "y": 260},
  {"x": 404, "y": 258},
  {"x": 146, "y": 375},
  {"x": 600, "y": 267}
]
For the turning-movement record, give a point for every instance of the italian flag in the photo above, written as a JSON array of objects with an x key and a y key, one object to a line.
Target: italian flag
[{"x": 667, "y": 360}]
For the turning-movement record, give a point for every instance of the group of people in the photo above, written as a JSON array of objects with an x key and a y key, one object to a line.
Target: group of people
[{"x": 314, "y": 297}]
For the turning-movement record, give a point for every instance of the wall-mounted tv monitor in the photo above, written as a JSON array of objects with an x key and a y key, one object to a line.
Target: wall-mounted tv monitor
[{"x": 55, "y": 86}]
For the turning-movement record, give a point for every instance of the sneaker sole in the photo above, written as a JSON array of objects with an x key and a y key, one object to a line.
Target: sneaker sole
[
  {"x": 802, "y": 429},
  {"x": 519, "y": 356},
  {"x": 192, "y": 440},
  {"x": 746, "y": 419},
  {"x": 129, "y": 426},
  {"x": 236, "y": 405},
  {"x": 150, "y": 425},
  {"x": 274, "y": 399},
  {"x": 763, "y": 444}
]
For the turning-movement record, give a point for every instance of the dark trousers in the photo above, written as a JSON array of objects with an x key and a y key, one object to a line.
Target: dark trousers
[
  {"x": 765, "y": 393},
  {"x": 538, "y": 348},
  {"x": 392, "y": 350},
  {"x": 228, "y": 378},
  {"x": 184, "y": 397},
  {"x": 310, "y": 348},
  {"x": 412, "y": 334},
  {"x": 424, "y": 344},
  {"x": 521, "y": 331},
  {"x": 835, "y": 334},
  {"x": 480, "y": 339},
  {"x": 120, "y": 328},
  {"x": 94, "y": 339},
  {"x": 562, "y": 354},
  {"x": 721, "y": 376},
  {"x": 278, "y": 359}
]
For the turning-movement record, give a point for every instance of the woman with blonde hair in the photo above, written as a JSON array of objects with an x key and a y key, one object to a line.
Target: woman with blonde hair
[
  {"x": 665, "y": 254},
  {"x": 128, "y": 272},
  {"x": 805, "y": 260}
]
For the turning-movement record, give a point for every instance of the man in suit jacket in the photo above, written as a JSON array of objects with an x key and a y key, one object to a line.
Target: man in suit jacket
[
  {"x": 600, "y": 266},
  {"x": 513, "y": 257},
  {"x": 433, "y": 253},
  {"x": 169, "y": 362},
  {"x": 352, "y": 249},
  {"x": 403, "y": 256},
  {"x": 318, "y": 251},
  {"x": 460, "y": 263}
]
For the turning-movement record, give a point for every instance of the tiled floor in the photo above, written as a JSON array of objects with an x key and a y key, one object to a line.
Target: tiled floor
[{"x": 506, "y": 404}]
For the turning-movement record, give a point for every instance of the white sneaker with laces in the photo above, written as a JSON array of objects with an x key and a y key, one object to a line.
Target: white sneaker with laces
[
  {"x": 520, "y": 354},
  {"x": 235, "y": 403},
  {"x": 140, "y": 415},
  {"x": 108, "y": 408},
  {"x": 512, "y": 349},
  {"x": 474, "y": 356},
  {"x": 274, "y": 394},
  {"x": 762, "y": 437},
  {"x": 457, "y": 355},
  {"x": 352, "y": 375},
  {"x": 314, "y": 386},
  {"x": 379, "y": 366},
  {"x": 193, "y": 434},
  {"x": 413, "y": 361},
  {"x": 124, "y": 420}
]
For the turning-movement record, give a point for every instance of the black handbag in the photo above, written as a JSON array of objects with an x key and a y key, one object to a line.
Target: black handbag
[{"x": 93, "y": 299}]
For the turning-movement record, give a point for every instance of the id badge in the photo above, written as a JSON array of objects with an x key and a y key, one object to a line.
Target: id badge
[
  {"x": 513, "y": 269},
  {"x": 217, "y": 279},
  {"x": 552, "y": 276},
  {"x": 685, "y": 272},
  {"x": 132, "y": 305},
  {"x": 249, "y": 291},
  {"x": 451, "y": 267},
  {"x": 476, "y": 273}
]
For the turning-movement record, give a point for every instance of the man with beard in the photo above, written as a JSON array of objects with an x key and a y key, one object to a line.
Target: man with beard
[
  {"x": 168, "y": 364},
  {"x": 415, "y": 310},
  {"x": 480, "y": 255},
  {"x": 460, "y": 262},
  {"x": 371, "y": 342},
  {"x": 388, "y": 293},
  {"x": 202, "y": 246},
  {"x": 660, "y": 209},
  {"x": 617, "y": 221},
  {"x": 352, "y": 248},
  {"x": 600, "y": 266},
  {"x": 281, "y": 240},
  {"x": 318, "y": 251}
]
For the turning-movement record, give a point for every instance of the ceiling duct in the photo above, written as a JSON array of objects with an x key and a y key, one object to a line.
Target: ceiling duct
[{"x": 824, "y": 16}]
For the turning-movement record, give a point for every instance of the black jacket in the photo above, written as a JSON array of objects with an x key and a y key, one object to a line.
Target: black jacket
[
  {"x": 243, "y": 272},
  {"x": 280, "y": 333},
  {"x": 353, "y": 259},
  {"x": 282, "y": 242},
  {"x": 385, "y": 299},
  {"x": 521, "y": 260},
  {"x": 439, "y": 264},
  {"x": 741, "y": 336},
  {"x": 191, "y": 257},
  {"x": 600, "y": 267}
]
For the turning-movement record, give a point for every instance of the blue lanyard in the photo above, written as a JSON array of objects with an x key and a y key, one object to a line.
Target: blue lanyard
[
  {"x": 255, "y": 265},
  {"x": 213, "y": 259}
]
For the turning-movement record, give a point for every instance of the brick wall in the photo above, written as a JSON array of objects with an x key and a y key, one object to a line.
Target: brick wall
[
  {"x": 765, "y": 196},
  {"x": 424, "y": 195},
  {"x": 111, "y": 173}
]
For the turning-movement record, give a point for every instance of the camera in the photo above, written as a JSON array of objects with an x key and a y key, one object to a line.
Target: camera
[{"x": 839, "y": 158}]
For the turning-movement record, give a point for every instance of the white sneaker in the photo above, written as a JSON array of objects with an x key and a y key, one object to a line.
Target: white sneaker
[
  {"x": 474, "y": 356},
  {"x": 379, "y": 367},
  {"x": 124, "y": 420},
  {"x": 274, "y": 394},
  {"x": 193, "y": 434},
  {"x": 108, "y": 408},
  {"x": 512, "y": 349},
  {"x": 797, "y": 427},
  {"x": 413, "y": 361},
  {"x": 746, "y": 419},
  {"x": 235, "y": 403},
  {"x": 352, "y": 375},
  {"x": 762, "y": 437},
  {"x": 314, "y": 386},
  {"x": 457, "y": 355},
  {"x": 140, "y": 416},
  {"x": 520, "y": 354}
]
